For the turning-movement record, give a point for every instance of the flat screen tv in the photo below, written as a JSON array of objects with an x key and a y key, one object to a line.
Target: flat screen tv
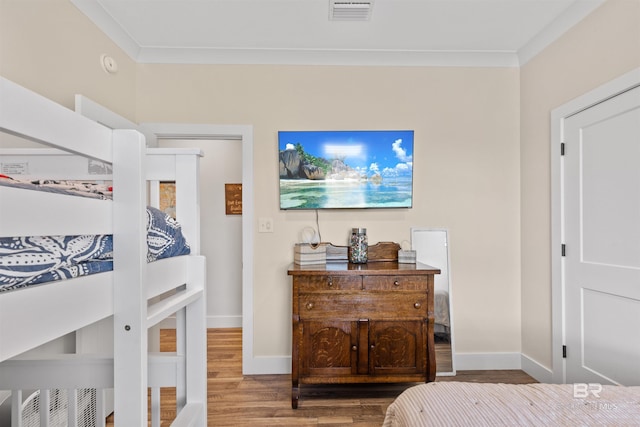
[{"x": 346, "y": 169}]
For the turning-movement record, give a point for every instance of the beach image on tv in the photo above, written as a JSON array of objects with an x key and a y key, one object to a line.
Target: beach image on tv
[{"x": 346, "y": 169}]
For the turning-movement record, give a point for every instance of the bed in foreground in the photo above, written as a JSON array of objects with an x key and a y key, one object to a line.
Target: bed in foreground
[{"x": 475, "y": 404}]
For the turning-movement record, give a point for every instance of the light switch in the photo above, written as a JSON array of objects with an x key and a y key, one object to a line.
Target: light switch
[{"x": 265, "y": 225}]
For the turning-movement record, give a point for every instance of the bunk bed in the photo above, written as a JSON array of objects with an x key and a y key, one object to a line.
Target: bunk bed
[{"x": 136, "y": 292}]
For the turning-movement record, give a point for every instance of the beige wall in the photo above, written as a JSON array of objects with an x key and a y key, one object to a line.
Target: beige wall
[
  {"x": 466, "y": 166},
  {"x": 467, "y": 152},
  {"x": 602, "y": 47},
  {"x": 481, "y": 155},
  {"x": 50, "y": 47}
]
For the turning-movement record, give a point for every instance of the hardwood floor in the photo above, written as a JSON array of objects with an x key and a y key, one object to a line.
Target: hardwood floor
[{"x": 265, "y": 400}]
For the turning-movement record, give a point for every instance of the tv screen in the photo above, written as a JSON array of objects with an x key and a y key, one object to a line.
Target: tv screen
[{"x": 346, "y": 169}]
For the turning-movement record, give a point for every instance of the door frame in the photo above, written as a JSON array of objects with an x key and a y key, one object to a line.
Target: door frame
[
  {"x": 600, "y": 94},
  {"x": 251, "y": 364}
]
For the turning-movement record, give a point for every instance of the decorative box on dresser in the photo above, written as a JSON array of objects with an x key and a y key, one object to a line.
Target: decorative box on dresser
[{"x": 362, "y": 323}]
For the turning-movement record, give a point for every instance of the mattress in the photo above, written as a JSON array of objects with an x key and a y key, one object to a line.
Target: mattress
[
  {"x": 75, "y": 188},
  {"x": 478, "y": 405}
]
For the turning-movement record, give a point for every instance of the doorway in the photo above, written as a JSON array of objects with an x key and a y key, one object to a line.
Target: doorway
[
  {"x": 243, "y": 133},
  {"x": 220, "y": 233},
  {"x": 251, "y": 364},
  {"x": 596, "y": 234}
]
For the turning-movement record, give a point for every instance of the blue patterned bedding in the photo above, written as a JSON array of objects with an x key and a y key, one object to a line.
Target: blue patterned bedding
[{"x": 27, "y": 261}]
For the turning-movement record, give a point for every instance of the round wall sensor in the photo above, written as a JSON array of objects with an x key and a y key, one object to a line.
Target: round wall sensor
[{"x": 109, "y": 65}]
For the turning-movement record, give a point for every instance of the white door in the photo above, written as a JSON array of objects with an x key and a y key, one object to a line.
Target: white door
[{"x": 601, "y": 225}]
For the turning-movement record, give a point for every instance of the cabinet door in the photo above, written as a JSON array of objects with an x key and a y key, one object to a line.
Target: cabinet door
[
  {"x": 397, "y": 347},
  {"x": 329, "y": 348}
]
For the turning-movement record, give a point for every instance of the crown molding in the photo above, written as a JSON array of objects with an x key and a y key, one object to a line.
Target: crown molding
[
  {"x": 185, "y": 55},
  {"x": 93, "y": 10},
  {"x": 328, "y": 57},
  {"x": 567, "y": 19}
]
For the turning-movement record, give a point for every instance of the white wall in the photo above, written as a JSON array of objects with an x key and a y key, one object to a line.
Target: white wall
[{"x": 221, "y": 234}]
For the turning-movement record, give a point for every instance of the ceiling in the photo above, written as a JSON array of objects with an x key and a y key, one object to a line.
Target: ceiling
[{"x": 397, "y": 32}]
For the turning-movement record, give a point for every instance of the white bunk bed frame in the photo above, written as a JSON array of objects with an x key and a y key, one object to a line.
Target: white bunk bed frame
[{"x": 134, "y": 292}]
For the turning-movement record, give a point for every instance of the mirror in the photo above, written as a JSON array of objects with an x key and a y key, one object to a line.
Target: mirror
[{"x": 432, "y": 248}]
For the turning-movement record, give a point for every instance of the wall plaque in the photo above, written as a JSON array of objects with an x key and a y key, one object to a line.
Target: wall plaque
[{"x": 233, "y": 199}]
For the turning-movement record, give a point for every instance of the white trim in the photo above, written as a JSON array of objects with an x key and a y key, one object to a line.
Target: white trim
[
  {"x": 413, "y": 58},
  {"x": 601, "y": 93},
  {"x": 423, "y": 58},
  {"x": 250, "y": 363},
  {"x": 531, "y": 367},
  {"x": 100, "y": 18},
  {"x": 224, "y": 321},
  {"x": 272, "y": 365},
  {"x": 487, "y": 361},
  {"x": 104, "y": 116},
  {"x": 213, "y": 322},
  {"x": 570, "y": 17}
]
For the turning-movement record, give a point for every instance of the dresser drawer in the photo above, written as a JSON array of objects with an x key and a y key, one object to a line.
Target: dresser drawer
[
  {"x": 328, "y": 283},
  {"x": 394, "y": 283},
  {"x": 404, "y": 305}
]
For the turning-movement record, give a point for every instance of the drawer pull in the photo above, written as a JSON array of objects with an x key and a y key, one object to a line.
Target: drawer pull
[
  {"x": 330, "y": 283},
  {"x": 309, "y": 305},
  {"x": 396, "y": 283},
  {"x": 354, "y": 348},
  {"x": 417, "y": 305}
]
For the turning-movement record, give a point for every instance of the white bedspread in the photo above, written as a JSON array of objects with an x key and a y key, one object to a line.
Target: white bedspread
[{"x": 473, "y": 404}]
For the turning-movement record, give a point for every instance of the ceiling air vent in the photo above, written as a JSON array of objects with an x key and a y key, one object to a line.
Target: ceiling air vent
[{"x": 340, "y": 10}]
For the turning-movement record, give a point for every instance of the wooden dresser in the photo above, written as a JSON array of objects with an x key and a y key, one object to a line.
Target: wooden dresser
[{"x": 362, "y": 323}]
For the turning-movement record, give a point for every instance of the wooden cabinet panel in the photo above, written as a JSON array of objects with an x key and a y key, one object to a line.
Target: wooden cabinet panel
[
  {"x": 397, "y": 347},
  {"x": 366, "y": 323},
  {"x": 330, "y": 348}
]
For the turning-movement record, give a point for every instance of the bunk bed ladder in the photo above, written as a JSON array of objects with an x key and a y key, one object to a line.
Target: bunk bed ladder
[
  {"x": 132, "y": 317},
  {"x": 191, "y": 349},
  {"x": 186, "y": 368}
]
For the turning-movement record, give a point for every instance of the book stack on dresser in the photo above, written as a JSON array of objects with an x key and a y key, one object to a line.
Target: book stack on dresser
[{"x": 337, "y": 253}]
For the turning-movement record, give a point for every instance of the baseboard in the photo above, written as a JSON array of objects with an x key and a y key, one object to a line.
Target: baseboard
[
  {"x": 213, "y": 322},
  {"x": 224, "y": 321},
  {"x": 276, "y": 365},
  {"x": 260, "y": 365},
  {"x": 266, "y": 365},
  {"x": 536, "y": 370},
  {"x": 487, "y": 361}
]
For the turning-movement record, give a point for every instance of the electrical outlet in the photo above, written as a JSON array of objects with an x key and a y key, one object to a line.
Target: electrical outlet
[{"x": 265, "y": 225}]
